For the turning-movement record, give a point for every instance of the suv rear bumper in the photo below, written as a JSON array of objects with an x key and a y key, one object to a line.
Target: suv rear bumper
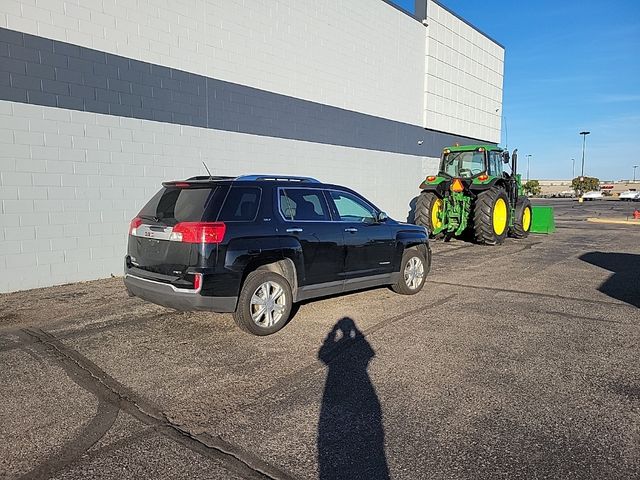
[{"x": 179, "y": 299}]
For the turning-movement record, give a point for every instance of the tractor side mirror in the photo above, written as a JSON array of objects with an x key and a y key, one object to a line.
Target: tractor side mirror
[{"x": 505, "y": 157}]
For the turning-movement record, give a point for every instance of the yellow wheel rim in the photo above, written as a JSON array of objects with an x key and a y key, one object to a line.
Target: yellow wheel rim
[
  {"x": 435, "y": 210},
  {"x": 526, "y": 219},
  {"x": 499, "y": 216}
]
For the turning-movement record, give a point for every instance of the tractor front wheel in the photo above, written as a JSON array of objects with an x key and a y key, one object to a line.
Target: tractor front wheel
[
  {"x": 491, "y": 216},
  {"x": 522, "y": 222},
  {"x": 428, "y": 211}
]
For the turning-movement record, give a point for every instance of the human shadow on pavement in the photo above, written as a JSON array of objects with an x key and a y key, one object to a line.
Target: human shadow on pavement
[
  {"x": 350, "y": 429},
  {"x": 624, "y": 284}
]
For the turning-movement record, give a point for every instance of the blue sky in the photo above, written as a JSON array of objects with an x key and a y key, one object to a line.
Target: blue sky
[{"x": 570, "y": 66}]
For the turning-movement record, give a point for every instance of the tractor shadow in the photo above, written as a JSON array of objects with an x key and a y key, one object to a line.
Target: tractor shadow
[
  {"x": 411, "y": 216},
  {"x": 624, "y": 283},
  {"x": 350, "y": 427}
]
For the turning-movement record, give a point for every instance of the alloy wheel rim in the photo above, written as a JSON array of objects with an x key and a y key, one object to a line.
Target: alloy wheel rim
[
  {"x": 413, "y": 273},
  {"x": 268, "y": 304}
]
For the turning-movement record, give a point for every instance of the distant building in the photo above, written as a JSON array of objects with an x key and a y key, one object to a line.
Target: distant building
[{"x": 556, "y": 187}]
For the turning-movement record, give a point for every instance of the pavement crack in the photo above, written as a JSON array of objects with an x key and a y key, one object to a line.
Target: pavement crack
[{"x": 89, "y": 376}]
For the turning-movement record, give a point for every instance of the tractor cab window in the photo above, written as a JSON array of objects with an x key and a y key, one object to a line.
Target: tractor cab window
[
  {"x": 463, "y": 164},
  {"x": 495, "y": 164}
]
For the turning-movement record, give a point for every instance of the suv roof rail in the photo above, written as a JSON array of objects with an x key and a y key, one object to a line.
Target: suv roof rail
[{"x": 276, "y": 178}]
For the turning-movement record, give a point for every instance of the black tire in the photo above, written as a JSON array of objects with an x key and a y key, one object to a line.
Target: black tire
[
  {"x": 243, "y": 314},
  {"x": 483, "y": 216},
  {"x": 404, "y": 285},
  {"x": 424, "y": 208},
  {"x": 522, "y": 223}
]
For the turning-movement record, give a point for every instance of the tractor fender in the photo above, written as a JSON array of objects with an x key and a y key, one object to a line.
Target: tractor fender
[
  {"x": 440, "y": 189},
  {"x": 481, "y": 187}
]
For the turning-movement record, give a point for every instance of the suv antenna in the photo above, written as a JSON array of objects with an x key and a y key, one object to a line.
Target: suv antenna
[{"x": 207, "y": 169}]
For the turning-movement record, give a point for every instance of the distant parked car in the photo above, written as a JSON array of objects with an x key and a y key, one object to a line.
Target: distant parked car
[
  {"x": 593, "y": 195},
  {"x": 630, "y": 195},
  {"x": 566, "y": 194}
]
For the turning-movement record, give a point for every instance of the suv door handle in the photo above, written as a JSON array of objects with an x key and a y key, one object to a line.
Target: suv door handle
[
  {"x": 351, "y": 230},
  {"x": 294, "y": 230}
]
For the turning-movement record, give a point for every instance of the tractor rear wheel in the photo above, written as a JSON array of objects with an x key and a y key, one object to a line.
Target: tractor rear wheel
[
  {"x": 428, "y": 207},
  {"x": 491, "y": 216},
  {"x": 522, "y": 221}
]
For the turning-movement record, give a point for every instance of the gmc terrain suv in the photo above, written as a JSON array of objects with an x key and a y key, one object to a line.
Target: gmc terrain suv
[{"x": 256, "y": 244}]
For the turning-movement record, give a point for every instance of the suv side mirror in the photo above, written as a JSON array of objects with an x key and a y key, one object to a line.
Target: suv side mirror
[{"x": 382, "y": 217}]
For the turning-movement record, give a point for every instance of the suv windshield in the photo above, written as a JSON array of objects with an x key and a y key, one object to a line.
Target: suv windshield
[{"x": 463, "y": 164}]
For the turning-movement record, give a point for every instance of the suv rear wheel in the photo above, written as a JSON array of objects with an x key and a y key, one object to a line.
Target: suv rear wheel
[{"x": 264, "y": 304}]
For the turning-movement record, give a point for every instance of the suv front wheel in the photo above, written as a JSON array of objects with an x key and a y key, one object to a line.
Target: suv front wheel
[
  {"x": 413, "y": 270},
  {"x": 264, "y": 304}
]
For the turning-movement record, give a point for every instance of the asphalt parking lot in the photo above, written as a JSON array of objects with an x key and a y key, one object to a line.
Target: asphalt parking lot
[{"x": 520, "y": 361}]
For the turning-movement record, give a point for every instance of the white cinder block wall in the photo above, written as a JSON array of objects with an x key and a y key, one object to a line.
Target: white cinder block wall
[
  {"x": 74, "y": 171},
  {"x": 464, "y": 77}
]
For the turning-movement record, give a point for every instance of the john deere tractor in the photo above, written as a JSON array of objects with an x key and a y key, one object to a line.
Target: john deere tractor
[{"x": 471, "y": 191}]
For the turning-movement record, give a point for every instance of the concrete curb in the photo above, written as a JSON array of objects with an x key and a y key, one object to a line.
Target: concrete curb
[{"x": 617, "y": 222}]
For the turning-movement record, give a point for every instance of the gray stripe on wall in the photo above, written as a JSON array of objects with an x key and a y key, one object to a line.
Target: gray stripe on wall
[{"x": 41, "y": 71}]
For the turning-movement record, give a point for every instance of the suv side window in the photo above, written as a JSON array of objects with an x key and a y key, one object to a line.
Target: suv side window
[
  {"x": 351, "y": 208},
  {"x": 241, "y": 205},
  {"x": 303, "y": 205}
]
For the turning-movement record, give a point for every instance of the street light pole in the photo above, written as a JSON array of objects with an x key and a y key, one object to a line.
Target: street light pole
[
  {"x": 573, "y": 168},
  {"x": 506, "y": 134},
  {"x": 503, "y": 118},
  {"x": 634, "y": 172},
  {"x": 584, "y": 139},
  {"x": 528, "y": 157}
]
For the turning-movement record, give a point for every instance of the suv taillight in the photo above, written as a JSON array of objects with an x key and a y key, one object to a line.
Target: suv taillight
[
  {"x": 135, "y": 223},
  {"x": 198, "y": 232}
]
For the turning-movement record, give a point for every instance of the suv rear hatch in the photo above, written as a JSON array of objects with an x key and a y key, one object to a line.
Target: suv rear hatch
[{"x": 176, "y": 230}]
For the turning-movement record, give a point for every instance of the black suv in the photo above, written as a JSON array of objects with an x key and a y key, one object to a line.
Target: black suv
[{"x": 256, "y": 244}]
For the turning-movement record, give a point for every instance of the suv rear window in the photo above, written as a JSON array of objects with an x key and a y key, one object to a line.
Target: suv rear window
[
  {"x": 241, "y": 205},
  {"x": 172, "y": 205}
]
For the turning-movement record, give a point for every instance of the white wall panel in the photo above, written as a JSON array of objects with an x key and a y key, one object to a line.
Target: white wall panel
[{"x": 465, "y": 69}]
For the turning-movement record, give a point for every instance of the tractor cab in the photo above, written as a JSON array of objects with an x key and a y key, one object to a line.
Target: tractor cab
[{"x": 473, "y": 160}]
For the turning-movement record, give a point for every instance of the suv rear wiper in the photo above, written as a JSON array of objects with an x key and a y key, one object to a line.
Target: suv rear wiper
[{"x": 149, "y": 217}]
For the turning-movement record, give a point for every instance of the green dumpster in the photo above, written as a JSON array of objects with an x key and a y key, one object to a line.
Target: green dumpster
[{"x": 542, "y": 220}]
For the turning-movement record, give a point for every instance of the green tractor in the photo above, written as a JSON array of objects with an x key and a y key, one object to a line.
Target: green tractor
[{"x": 471, "y": 191}]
